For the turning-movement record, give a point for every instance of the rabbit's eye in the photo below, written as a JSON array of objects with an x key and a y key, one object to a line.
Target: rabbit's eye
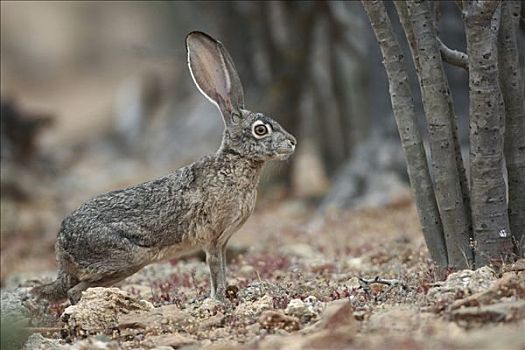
[{"x": 259, "y": 129}]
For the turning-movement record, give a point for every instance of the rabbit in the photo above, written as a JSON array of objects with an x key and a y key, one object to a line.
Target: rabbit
[{"x": 199, "y": 206}]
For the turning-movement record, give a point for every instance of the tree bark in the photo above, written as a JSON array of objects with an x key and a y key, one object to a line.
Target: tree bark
[
  {"x": 514, "y": 143},
  {"x": 449, "y": 174},
  {"x": 405, "y": 115},
  {"x": 488, "y": 192}
]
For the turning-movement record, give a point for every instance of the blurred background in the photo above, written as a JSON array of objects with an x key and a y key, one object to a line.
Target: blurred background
[{"x": 97, "y": 96}]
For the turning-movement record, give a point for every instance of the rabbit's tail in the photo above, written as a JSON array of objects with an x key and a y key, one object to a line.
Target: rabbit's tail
[{"x": 54, "y": 291}]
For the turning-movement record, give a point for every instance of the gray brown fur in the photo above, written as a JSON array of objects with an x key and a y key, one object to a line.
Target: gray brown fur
[{"x": 199, "y": 206}]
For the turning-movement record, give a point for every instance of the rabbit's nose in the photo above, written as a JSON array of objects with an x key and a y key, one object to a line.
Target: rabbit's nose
[{"x": 292, "y": 142}]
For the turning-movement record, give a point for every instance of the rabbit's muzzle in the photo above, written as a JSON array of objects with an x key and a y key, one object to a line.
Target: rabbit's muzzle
[{"x": 286, "y": 148}]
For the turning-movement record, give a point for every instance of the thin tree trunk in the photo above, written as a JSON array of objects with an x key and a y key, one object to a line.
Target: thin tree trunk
[
  {"x": 450, "y": 181},
  {"x": 512, "y": 89},
  {"x": 488, "y": 192},
  {"x": 404, "y": 112},
  {"x": 404, "y": 18}
]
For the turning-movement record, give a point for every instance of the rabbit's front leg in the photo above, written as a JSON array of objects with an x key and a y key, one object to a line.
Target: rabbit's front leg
[
  {"x": 216, "y": 264},
  {"x": 223, "y": 265}
]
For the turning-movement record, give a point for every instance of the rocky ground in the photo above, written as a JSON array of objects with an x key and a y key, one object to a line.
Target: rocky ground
[{"x": 357, "y": 279}]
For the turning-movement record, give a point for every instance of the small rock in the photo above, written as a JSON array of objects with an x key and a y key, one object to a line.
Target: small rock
[
  {"x": 338, "y": 314},
  {"x": 296, "y": 307},
  {"x": 254, "y": 308},
  {"x": 98, "y": 310},
  {"x": 272, "y": 320},
  {"x": 461, "y": 284},
  {"x": 209, "y": 307},
  {"x": 305, "y": 310}
]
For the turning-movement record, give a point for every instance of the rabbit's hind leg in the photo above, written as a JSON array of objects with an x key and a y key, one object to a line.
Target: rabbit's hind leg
[
  {"x": 110, "y": 261},
  {"x": 74, "y": 294}
]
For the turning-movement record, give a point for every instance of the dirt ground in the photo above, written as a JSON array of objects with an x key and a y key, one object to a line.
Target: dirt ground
[{"x": 356, "y": 279}]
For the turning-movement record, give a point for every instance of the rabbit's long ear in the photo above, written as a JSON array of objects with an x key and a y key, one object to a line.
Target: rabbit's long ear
[{"x": 213, "y": 72}]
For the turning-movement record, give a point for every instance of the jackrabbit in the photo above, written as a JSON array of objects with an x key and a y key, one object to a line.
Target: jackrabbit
[{"x": 114, "y": 235}]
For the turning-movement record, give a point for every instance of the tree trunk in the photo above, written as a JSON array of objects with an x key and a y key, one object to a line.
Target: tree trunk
[
  {"x": 404, "y": 112},
  {"x": 487, "y": 116},
  {"x": 450, "y": 182},
  {"x": 454, "y": 57},
  {"x": 512, "y": 89}
]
